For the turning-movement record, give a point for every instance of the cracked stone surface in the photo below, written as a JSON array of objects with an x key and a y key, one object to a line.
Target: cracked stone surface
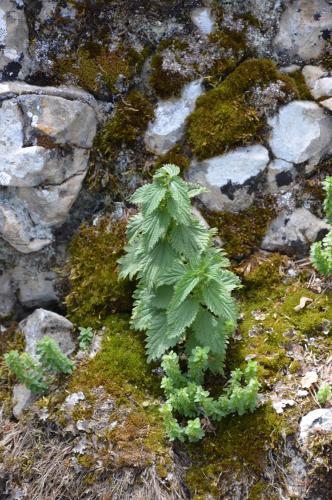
[
  {"x": 44, "y": 152},
  {"x": 14, "y": 41},
  {"x": 308, "y": 130}
]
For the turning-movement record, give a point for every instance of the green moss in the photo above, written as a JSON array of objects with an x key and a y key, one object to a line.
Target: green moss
[
  {"x": 239, "y": 446},
  {"x": 242, "y": 232},
  {"x": 95, "y": 68},
  {"x": 303, "y": 91},
  {"x": 120, "y": 367},
  {"x": 166, "y": 83},
  {"x": 129, "y": 122},
  {"x": 9, "y": 339},
  {"x": 223, "y": 117},
  {"x": 271, "y": 323},
  {"x": 95, "y": 289}
]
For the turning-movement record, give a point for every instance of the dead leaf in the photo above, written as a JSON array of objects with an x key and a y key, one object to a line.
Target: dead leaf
[
  {"x": 303, "y": 302},
  {"x": 309, "y": 379}
]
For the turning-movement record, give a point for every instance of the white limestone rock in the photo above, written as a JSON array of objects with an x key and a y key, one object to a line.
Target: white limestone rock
[
  {"x": 293, "y": 233},
  {"x": 301, "y": 132},
  {"x": 301, "y": 27},
  {"x": 230, "y": 177},
  {"x": 170, "y": 115},
  {"x": 22, "y": 399},
  {"x": 14, "y": 41},
  {"x": 203, "y": 20},
  {"x": 315, "y": 422},
  {"x": 280, "y": 175},
  {"x": 41, "y": 323},
  {"x": 44, "y": 152},
  {"x": 318, "y": 80}
]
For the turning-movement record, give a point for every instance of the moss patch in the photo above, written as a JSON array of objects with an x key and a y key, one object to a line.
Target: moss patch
[
  {"x": 223, "y": 117},
  {"x": 303, "y": 91},
  {"x": 242, "y": 232},
  {"x": 9, "y": 339},
  {"x": 130, "y": 120},
  {"x": 97, "y": 69},
  {"x": 95, "y": 288},
  {"x": 240, "y": 444},
  {"x": 120, "y": 368}
]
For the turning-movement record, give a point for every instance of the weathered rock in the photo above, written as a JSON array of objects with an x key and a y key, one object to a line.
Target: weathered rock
[
  {"x": 64, "y": 122},
  {"x": 42, "y": 322},
  {"x": 230, "y": 177},
  {"x": 22, "y": 399},
  {"x": 316, "y": 421},
  {"x": 318, "y": 81},
  {"x": 44, "y": 152},
  {"x": 327, "y": 103},
  {"x": 17, "y": 228},
  {"x": 280, "y": 174},
  {"x": 302, "y": 28},
  {"x": 301, "y": 132},
  {"x": 14, "y": 41},
  {"x": 7, "y": 296},
  {"x": 293, "y": 233},
  {"x": 203, "y": 20},
  {"x": 170, "y": 116}
]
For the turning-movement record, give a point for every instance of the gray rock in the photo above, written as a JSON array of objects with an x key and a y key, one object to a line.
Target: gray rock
[
  {"x": 301, "y": 27},
  {"x": 170, "y": 116},
  {"x": 280, "y": 175},
  {"x": 301, "y": 132},
  {"x": 22, "y": 399},
  {"x": 230, "y": 177},
  {"x": 7, "y": 296},
  {"x": 14, "y": 41},
  {"x": 17, "y": 228},
  {"x": 65, "y": 122},
  {"x": 327, "y": 103},
  {"x": 318, "y": 81},
  {"x": 316, "y": 421},
  {"x": 293, "y": 233},
  {"x": 44, "y": 152},
  {"x": 42, "y": 322}
]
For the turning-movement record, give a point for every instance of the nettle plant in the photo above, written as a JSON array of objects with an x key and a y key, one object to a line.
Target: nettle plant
[
  {"x": 183, "y": 298},
  {"x": 321, "y": 251},
  {"x": 38, "y": 374}
]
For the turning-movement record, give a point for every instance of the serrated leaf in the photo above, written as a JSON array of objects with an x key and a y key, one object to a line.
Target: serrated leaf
[
  {"x": 211, "y": 332},
  {"x": 149, "y": 197},
  {"x": 183, "y": 288},
  {"x": 157, "y": 341},
  {"x": 162, "y": 297},
  {"x": 162, "y": 256},
  {"x": 190, "y": 240},
  {"x": 173, "y": 274},
  {"x": 219, "y": 301},
  {"x": 154, "y": 228},
  {"x": 182, "y": 317},
  {"x": 134, "y": 226},
  {"x": 168, "y": 169}
]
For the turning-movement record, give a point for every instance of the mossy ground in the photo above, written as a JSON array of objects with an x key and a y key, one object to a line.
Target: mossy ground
[
  {"x": 95, "y": 288},
  {"x": 120, "y": 368},
  {"x": 9, "y": 339},
  {"x": 97, "y": 69},
  {"x": 224, "y": 118},
  {"x": 239, "y": 450}
]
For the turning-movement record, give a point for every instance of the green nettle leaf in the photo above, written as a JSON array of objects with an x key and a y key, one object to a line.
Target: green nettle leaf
[
  {"x": 321, "y": 251},
  {"x": 182, "y": 317},
  {"x": 183, "y": 299}
]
